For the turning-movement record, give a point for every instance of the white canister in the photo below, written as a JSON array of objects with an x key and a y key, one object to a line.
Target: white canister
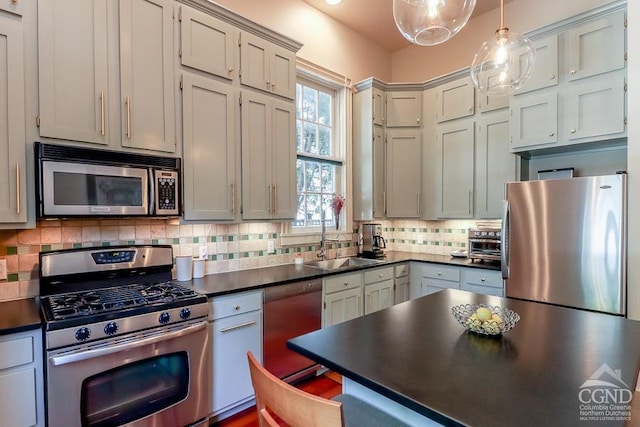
[
  {"x": 184, "y": 267},
  {"x": 198, "y": 268}
]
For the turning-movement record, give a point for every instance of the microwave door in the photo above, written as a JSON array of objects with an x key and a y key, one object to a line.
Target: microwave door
[{"x": 77, "y": 189}]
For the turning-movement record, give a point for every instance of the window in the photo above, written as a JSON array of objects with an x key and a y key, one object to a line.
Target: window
[{"x": 319, "y": 164}]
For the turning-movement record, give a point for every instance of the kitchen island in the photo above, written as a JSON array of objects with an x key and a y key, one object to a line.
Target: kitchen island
[{"x": 417, "y": 358}]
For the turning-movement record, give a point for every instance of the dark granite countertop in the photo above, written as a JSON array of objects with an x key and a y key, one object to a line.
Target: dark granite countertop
[
  {"x": 19, "y": 315},
  {"x": 418, "y": 355},
  {"x": 256, "y": 278}
]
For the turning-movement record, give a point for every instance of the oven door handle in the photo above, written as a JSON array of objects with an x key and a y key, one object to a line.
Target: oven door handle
[{"x": 97, "y": 352}]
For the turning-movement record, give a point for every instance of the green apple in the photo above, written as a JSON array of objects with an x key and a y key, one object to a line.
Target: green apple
[{"x": 483, "y": 313}]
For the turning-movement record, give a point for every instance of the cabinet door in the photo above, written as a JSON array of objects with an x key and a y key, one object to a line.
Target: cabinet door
[
  {"x": 210, "y": 151},
  {"x": 455, "y": 100},
  {"x": 596, "y": 107},
  {"x": 18, "y": 403},
  {"x": 233, "y": 337},
  {"x": 207, "y": 43},
  {"x": 378, "y": 172},
  {"x": 456, "y": 147},
  {"x": 256, "y": 156},
  {"x": 403, "y": 173},
  {"x": 534, "y": 120},
  {"x": 13, "y": 189},
  {"x": 545, "y": 70},
  {"x": 378, "y": 107},
  {"x": 72, "y": 59},
  {"x": 596, "y": 47},
  {"x": 495, "y": 164},
  {"x": 254, "y": 62},
  {"x": 404, "y": 109},
  {"x": 401, "y": 289},
  {"x": 342, "y": 306},
  {"x": 12, "y": 6},
  {"x": 282, "y": 76},
  {"x": 378, "y": 296},
  {"x": 283, "y": 147},
  {"x": 146, "y": 74}
]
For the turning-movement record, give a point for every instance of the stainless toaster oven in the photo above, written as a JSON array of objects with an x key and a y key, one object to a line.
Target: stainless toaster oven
[{"x": 484, "y": 244}]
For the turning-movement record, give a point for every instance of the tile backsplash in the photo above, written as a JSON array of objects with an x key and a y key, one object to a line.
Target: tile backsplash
[{"x": 229, "y": 246}]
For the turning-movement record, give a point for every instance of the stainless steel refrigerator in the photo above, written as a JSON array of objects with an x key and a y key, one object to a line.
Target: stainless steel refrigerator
[{"x": 564, "y": 242}]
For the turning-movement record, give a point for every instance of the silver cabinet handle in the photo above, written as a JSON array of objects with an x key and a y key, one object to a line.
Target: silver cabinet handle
[
  {"x": 236, "y": 307},
  {"x": 270, "y": 199},
  {"x": 418, "y": 201},
  {"x": 572, "y": 130},
  {"x": 552, "y": 76},
  {"x": 470, "y": 202},
  {"x": 230, "y": 69},
  {"x": 233, "y": 199},
  {"x": 241, "y": 325},
  {"x": 102, "y": 112},
  {"x": 275, "y": 199},
  {"x": 128, "y": 103},
  {"x": 573, "y": 71},
  {"x": 552, "y": 133},
  {"x": 17, "y": 188}
]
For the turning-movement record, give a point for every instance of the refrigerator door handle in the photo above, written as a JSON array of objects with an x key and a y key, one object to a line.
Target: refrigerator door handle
[{"x": 504, "y": 240}]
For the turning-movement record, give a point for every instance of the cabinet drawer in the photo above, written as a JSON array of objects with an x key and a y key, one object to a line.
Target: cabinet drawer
[
  {"x": 343, "y": 282},
  {"x": 16, "y": 352},
  {"x": 441, "y": 272},
  {"x": 440, "y": 284},
  {"x": 482, "y": 278},
  {"x": 479, "y": 289},
  {"x": 402, "y": 270},
  {"x": 230, "y": 305},
  {"x": 378, "y": 275}
]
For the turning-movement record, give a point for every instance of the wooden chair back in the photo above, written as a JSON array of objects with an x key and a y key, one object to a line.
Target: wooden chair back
[{"x": 295, "y": 407}]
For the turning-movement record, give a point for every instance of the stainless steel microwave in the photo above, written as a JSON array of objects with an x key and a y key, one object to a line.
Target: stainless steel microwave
[{"x": 87, "y": 182}]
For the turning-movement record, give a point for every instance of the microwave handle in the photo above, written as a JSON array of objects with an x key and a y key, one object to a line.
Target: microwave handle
[{"x": 152, "y": 192}]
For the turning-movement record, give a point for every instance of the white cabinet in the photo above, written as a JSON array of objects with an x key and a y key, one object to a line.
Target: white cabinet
[
  {"x": 403, "y": 172},
  {"x": 455, "y": 100},
  {"x": 481, "y": 281},
  {"x": 455, "y": 144},
  {"x": 378, "y": 106},
  {"x": 401, "y": 283},
  {"x": 495, "y": 165},
  {"x": 436, "y": 277},
  {"x": 342, "y": 298},
  {"x": 207, "y": 43},
  {"x": 13, "y": 183},
  {"x": 404, "y": 109},
  {"x": 268, "y": 157},
  {"x": 236, "y": 328},
  {"x": 79, "y": 100},
  {"x": 267, "y": 66},
  {"x": 378, "y": 289},
  {"x": 21, "y": 379},
  {"x": 211, "y": 150}
]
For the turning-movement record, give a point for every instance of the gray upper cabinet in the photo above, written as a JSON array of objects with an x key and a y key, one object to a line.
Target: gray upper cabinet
[
  {"x": 455, "y": 100},
  {"x": 545, "y": 70},
  {"x": 267, "y": 66},
  {"x": 404, "y": 109},
  {"x": 379, "y": 112},
  {"x": 146, "y": 74},
  {"x": 455, "y": 144},
  {"x": 211, "y": 151},
  {"x": 534, "y": 120},
  {"x": 73, "y": 57},
  {"x": 596, "y": 47},
  {"x": 207, "y": 43},
  {"x": 80, "y": 99},
  {"x": 13, "y": 183},
  {"x": 403, "y": 177}
]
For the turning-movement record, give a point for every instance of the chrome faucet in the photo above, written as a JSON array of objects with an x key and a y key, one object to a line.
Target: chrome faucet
[{"x": 323, "y": 236}]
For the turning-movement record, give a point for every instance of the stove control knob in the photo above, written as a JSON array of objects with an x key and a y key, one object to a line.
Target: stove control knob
[
  {"x": 83, "y": 334},
  {"x": 185, "y": 313},
  {"x": 164, "y": 318},
  {"x": 111, "y": 328}
]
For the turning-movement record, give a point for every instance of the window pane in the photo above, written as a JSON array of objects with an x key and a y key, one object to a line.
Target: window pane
[
  {"x": 299, "y": 101},
  {"x": 328, "y": 184},
  {"x": 324, "y": 108},
  {"x": 313, "y": 178},
  {"x": 313, "y": 210},
  {"x": 309, "y": 104},
  {"x": 310, "y": 138},
  {"x": 324, "y": 137},
  {"x": 299, "y": 137},
  {"x": 300, "y": 175},
  {"x": 300, "y": 211}
]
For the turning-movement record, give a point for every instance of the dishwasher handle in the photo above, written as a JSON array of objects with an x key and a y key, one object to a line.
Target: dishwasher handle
[{"x": 289, "y": 290}]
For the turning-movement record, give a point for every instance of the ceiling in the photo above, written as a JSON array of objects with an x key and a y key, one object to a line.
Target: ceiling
[{"x": 374, "y": 19}]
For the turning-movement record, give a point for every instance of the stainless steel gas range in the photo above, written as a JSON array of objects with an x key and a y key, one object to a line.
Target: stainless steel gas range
[{"x": 124, "y": 345}]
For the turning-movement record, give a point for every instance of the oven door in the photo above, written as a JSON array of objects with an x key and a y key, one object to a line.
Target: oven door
[
  {"x": 89, "y": 189},
  {"x": 159, "y": 379}
]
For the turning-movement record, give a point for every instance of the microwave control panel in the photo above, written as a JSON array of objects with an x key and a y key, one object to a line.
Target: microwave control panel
[{"x": 166, "y": 184}]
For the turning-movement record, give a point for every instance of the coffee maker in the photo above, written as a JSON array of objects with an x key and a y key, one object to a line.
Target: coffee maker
[{"x": 372, "y": 241}]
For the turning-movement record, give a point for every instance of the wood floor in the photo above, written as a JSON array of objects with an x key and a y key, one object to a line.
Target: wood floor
[{"x": 326, "y": 386}]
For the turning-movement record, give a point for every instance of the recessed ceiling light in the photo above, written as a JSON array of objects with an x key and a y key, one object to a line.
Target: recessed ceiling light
[{"x": 333, "y": 2}]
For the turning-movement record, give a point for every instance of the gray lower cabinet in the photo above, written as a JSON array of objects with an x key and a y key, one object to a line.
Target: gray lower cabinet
[
  {"x": 22, "y": 379},
  {"x": 236, "y": 328},
  {"x": 401, "y": 283},
  {"x": 436, "y": 277},
  {"x": 480, "y": 281},
  {"x": 378, "y": 289},
  {"x": 342, "y": 298}
]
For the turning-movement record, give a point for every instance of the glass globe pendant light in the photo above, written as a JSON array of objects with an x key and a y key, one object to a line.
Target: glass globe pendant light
[
  {"x": 504, "y": 62},
  {"x": 431, "y": 22}
]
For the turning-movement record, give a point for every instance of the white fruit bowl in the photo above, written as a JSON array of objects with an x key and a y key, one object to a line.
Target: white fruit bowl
[{"x": 501, "y": 320}]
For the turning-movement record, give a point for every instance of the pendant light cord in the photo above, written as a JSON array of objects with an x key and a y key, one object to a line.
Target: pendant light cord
[{"x": 501, "y": 14}]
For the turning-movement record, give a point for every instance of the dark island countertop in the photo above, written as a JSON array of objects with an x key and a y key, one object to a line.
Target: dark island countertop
[
  {"x": 19, "y": 316},
  {"x": 418, "y": 355},
  {"x": 256, "y": 278}
]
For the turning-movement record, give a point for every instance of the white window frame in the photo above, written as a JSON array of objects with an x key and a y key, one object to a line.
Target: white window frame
[{"x": 342, "y": 153}]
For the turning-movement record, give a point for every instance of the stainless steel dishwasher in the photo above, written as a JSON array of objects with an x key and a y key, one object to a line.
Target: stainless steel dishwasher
[{"x": 289, "y": 311}]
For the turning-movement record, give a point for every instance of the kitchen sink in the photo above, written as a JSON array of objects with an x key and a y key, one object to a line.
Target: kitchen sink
[{"x": 341, "y": 263}]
